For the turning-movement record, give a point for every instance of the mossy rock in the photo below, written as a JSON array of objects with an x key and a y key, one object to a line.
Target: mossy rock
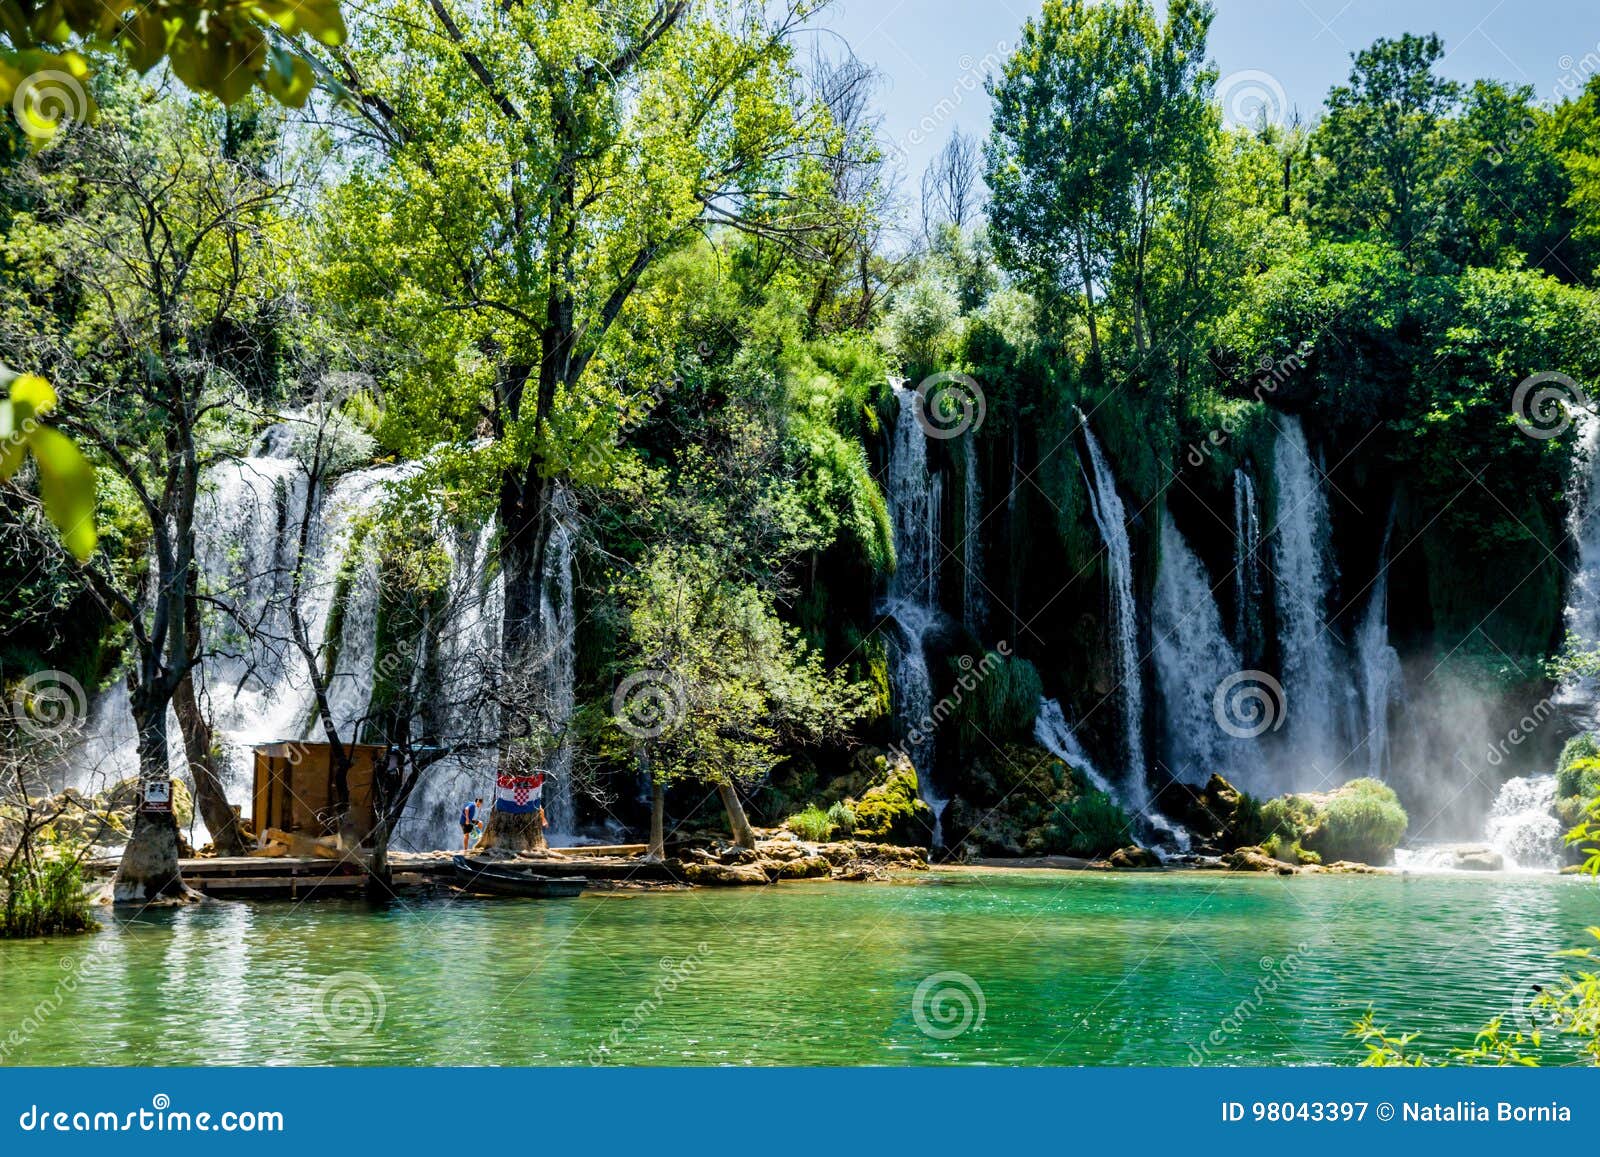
[
  {"x": 892, "y": 812},
  {"x": 1361, "y": 821},
  {"x": 1218, "y": 817},
  {"x": 1021, "y": 800}
]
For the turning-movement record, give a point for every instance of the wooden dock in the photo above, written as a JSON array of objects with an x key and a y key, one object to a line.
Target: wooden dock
[{"x": 278, "y": 877}]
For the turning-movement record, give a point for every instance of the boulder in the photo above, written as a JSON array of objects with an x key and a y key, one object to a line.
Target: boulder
[
  {"x": 1134, "y": 856},
  {"x": 722, "y": 875},
  {"x": 1479, "y": 858},
  {"x": 893, "y": 812},
  {"x": 1253, "y": 859},
  {"x": 803, "y": 868}
]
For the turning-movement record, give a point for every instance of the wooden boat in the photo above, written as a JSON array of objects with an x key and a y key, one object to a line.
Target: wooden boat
[{"x": 495, "y": 880}]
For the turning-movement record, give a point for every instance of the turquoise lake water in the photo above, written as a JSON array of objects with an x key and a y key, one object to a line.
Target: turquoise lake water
[{"x": 944, "y": 968}]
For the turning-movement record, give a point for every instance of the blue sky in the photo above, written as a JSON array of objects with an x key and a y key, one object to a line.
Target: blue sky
[{"x": 933, "y": 53}]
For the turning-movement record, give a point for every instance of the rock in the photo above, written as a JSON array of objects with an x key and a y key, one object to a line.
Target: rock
[
  {"x": 722, "y": 875},
  {"x": 1461, "y": 858},
  {"x": 1481, "y": 860},
  {"x": 893, "y": 811},
  {"x": 1218, "y": 817},
  {"x": 803, "y": 868},
  {"x": 1134, "y": 856},
  {"x": 1253, "y": 859}
]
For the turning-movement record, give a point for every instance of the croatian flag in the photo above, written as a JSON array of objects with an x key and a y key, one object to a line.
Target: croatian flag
[{"x": 519, "y": 794}]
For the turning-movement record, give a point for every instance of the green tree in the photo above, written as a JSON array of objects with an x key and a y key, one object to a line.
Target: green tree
[
  {"x": 1100, "y": 119},
  {"x": 722, "y": 689},
  {"x": 1379, "y": 149},
  {"x": 532, "y": 173},
  {"x": 147, "y": 272}
]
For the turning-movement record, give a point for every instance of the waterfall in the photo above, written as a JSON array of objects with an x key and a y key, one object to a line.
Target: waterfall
[
  {"x": 1318, "y": 694},
  {"x": 255, "y": 682},
  {"x": 1583, "y": 593},
  {"x": 1378, "y": 664},
  {"x": 913, "y": 509},
  {"x": 1522, "y": 823},
  {"x": 1248, "y": 588},
  {"x": 1109, "y": 516},
  {"x": 1052, "y": 732},
  {"x": 914, "y": 502},
  {"x": 560, "y": 651},
  {"x": 1193, "y": 658},
  {"x": 974, "y": 595}
]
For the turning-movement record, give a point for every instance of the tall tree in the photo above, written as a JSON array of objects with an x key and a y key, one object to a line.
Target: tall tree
[
  {"x": 148, "y": 271},
  {"x": 1100, "y": 116},
  {"x": 533, "y": 164},
  {"x": 1379, "y": 149}
]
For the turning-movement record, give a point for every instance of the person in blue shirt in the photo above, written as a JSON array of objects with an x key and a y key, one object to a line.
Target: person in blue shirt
[{"x": 469, "y": 822}]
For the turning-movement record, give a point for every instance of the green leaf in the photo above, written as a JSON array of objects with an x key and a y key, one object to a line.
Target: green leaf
[{"x": 66, "y": 483}]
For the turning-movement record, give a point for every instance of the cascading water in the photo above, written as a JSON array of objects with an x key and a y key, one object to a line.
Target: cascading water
[
  {"x": 1522, "y": 823},
  {"x": 256, "y": 683},
  {"x": 914, "y": 501},
  {"x": 1378, "y": 665},
  {"x": 1193, "y": 658},
  {"x": 1581, "y": 696},
  {"x": 974, "y": 595},
  {"x": 1052, "y": 732},
  {"x": 1318, "y": 693},
  {"x": 1248, "y": 587},
  {"x": 1109, "y": 516},
  {"x": 560, "y": 649}
]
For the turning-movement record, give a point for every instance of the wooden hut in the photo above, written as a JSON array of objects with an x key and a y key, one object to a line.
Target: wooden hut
[{"x": 294, "y": 788}]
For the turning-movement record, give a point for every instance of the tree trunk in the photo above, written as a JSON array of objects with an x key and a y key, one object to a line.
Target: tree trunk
[
  {"x": 149, "y": 868},
  {"x": 743, "y": 834},
  {"x": 514, "y": 832},
  {"x": 209, "y": 795},
  {"x": 658, "y": 821}
]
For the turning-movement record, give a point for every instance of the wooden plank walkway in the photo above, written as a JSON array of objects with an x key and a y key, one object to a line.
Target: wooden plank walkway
[{"x": 291, "y": 877}]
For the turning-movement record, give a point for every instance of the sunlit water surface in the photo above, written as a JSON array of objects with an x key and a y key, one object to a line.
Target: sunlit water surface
[{"x": 1025, "y": 968}]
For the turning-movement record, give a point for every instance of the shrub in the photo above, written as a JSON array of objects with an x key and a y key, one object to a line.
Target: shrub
[
  {"x": 1288, "y": 816},
  {"x": 811, "y": 824},
  {"x": 1362, "y": 821},
  {"x": 1247, "y": 825},
  {"x": 999, "y": 700},
  {"x": 1580, "y": 777},
  {"x": 842, "y": 818},
  {"x": 1092, "y": 824},
  {"x": 44, "y": 900},
  {"x": 1581, "y": 746}
]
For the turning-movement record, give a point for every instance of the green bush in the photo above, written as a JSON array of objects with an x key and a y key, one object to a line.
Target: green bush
[
  {"x": 842, "y": 818},
  {"x": 999, "y": 699},
  {"x": 1247, "y": 824},
  {"x": 1580, "y": 778},
  {"x": 1582, "y": 746},
  {"x": 1289, "y": 816},
  {"x": 45, "y": 900},
  {"x": 811, "y": 824},
  {"x": 1361, "y": 821},
  {"x": 1092, "y": 824}
]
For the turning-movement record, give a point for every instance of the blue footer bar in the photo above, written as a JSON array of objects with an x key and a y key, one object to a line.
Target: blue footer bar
[{"x": 700, "y": 1110}]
